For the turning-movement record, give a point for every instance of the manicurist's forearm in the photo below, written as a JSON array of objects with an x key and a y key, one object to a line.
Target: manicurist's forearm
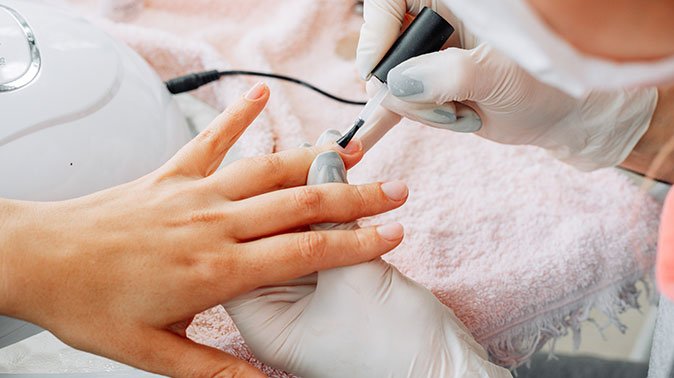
[{"x": 654, "y": 154}]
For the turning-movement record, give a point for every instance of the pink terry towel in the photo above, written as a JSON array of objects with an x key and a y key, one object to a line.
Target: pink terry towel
[{"x": 520, "y": 246}]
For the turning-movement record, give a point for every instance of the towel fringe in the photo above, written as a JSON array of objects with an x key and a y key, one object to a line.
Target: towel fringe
[{"x": 517, "y": 345}]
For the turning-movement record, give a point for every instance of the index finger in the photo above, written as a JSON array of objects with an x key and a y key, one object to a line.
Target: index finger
[{"x": 203, "y": 154}]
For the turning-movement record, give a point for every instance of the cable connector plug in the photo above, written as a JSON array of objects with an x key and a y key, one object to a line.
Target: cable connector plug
[{"x": 191, "y": 81}]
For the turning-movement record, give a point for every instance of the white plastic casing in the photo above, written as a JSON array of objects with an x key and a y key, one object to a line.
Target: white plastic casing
[
  {"x": 15, "y": 50},
  {"x": 93, "y": 114}
]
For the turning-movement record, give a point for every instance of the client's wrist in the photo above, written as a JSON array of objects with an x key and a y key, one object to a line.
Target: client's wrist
[
  {"x": 23, "y": 247},
  {"x": 10, "y": 240}
]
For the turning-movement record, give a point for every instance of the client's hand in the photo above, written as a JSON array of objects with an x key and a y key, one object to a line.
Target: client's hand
[
  {"x": 122, "y": 272},
  {"x": 366, "y": 320}
]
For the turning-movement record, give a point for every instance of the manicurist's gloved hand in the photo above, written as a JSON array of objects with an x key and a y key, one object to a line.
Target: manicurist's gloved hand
[
  {"x": 366, "y": 320},
  {"x": 493, "y": 97},
  {"x": 122, "y": 272}
]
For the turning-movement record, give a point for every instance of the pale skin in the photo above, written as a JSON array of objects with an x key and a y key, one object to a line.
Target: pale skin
[
  {"x": 621, "y": 30},
  {"x": 653, "y": 156},
  {"x": 625, "y": 30},
  {"x": 122, "y": 272}
]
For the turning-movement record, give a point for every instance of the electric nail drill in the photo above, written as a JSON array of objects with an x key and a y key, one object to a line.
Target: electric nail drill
[{"x": 426, "y": 34}]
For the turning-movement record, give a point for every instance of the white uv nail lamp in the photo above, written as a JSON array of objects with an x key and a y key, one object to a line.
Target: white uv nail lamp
[{"x": 79, "y": 112}]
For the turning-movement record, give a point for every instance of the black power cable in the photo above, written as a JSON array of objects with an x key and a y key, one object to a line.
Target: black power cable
[{"x": 195, "y": 80}]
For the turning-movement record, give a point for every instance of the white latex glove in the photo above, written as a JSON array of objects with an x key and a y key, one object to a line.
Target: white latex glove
[
  {"x": 367, "y": 320},
  {"x": 594, "y": 131}
]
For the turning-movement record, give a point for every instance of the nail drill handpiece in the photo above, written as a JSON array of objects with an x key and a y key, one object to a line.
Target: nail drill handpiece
[{"x": 426, "y": 34}]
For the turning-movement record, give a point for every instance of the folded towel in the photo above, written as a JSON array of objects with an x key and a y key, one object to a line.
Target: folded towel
[{"x": 520, "y": 246}]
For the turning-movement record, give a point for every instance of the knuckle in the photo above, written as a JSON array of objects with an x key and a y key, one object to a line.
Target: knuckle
[
  {"x": 209, "y": 138},
  {"x": 312, "y": 246},
  {"x": 208, "y": 217},
  {"x": 206, "y": 134},
  {"x": 360, "y": 200},
  {"x": 271, "y": 163},
  {"x": 362, "y": 240},
  {"x": 206, "y": 270},
  {"x": 196, "y": 271},
  {"x": 233, "y": 115},
  {"x": 364, "y": 196},
  {"x": 310, "y": 201},
  {"x": 209, "y": 274}
]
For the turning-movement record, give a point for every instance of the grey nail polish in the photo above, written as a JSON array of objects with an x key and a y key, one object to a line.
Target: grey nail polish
[
  {"x": 466, "y": 124},
  {"x": 327, "y": 167},
  {"x": 328, "y": 136},
  {"x": 403, "y": 86},
  {"x": 440, "y": 116},
  {"x": 450, "y": 117},
  {"x": 305, "y": 144}
]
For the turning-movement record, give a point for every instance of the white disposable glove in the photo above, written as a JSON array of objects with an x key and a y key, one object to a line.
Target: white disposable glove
[
  {"x": 597, "y": 130},
  {"x": 367, "y": 320}
]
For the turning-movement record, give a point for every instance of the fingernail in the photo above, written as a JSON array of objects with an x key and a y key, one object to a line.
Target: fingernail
[
  {"x": 327, "y": 167},
  {"x": 466, "y": 124},
  {"x": 438, "y": 116},
  {"x": 391, "y": 231},
  {"x": 403, "y": 86},
  {"x": 445, "y": 116},
  {"x": 328, "y": 136},
  {"x": 395, "y": 190},
  {"x": 305, "y": 144},
  {"x": 354, "y": 146},
  {"x": 256, "y": 91}
]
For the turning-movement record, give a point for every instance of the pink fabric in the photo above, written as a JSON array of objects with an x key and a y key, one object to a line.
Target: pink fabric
[{"x": 518, "y": 245}]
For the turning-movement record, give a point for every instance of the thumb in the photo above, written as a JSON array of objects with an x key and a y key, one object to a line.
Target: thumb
[
  {"x": 423, "y": 87},
  {"x": 448, "y": 75},
  {"x": 383, "y": 22},
  {"x": 447, "y": 116},
  {"x": 166, "y": 353}
]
